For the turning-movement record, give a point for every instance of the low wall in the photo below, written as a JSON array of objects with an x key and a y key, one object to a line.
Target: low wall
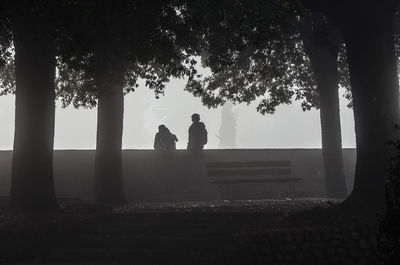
[{"x": 151, "y": 176}]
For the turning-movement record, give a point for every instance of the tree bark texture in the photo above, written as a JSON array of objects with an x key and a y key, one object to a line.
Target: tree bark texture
[
  {"x": 108, "y": 161},
  {"x": 369, "y": 41},
  {"x": 324, "y": 63},
  {"x": 32, "y": 184}
]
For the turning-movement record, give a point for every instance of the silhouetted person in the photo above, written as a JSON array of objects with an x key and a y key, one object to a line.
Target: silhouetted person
[
  {"x": 165, "y": 140},
  {"x": 197, "y": 134}
]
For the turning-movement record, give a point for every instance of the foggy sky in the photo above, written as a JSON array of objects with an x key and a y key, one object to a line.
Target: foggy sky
[{"x": 289, "y": 127}]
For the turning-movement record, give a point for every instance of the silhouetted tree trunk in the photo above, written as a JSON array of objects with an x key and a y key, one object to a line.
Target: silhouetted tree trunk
[
  {"x": 323, "y": 54},
  {"x": 108, "y": 163},
  {"x": 367, "y": 27},
  {"x": 324, "y": 62},
  {"x": 32, "y": 186},
  {"x": 369, "y": 40}
]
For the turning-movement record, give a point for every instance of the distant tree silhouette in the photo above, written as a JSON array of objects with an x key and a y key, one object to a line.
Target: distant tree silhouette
[
  {"x": 227, "y": 131},
  {"x": 124, "y": 41},
  {"x": 275, "y": 57}
]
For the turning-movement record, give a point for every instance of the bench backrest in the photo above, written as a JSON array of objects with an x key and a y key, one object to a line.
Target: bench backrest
[
  {"x": 248, "y": 164},
  {"x": 248, "y": 168}
]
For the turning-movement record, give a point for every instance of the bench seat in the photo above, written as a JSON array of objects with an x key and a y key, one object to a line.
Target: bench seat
[{"x": 250, "y": 172}]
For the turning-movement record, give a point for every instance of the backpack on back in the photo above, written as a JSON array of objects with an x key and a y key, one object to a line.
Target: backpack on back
[{"x": 204, "y": 139}]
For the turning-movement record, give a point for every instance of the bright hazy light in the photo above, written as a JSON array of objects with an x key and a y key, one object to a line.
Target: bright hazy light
[{"x": 289, "y": 127}]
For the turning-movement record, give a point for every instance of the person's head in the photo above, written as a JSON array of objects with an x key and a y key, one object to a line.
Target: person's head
[
  {"x": 162, "y": 128},
  {"x": 195, "y": 118}
]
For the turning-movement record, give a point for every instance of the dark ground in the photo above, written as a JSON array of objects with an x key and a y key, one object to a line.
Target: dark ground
[{"x": 307, "y": 231}]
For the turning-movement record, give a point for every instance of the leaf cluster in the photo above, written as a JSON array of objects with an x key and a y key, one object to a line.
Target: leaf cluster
[
  {"x": 255, "y": 51},
  {"x": 116, "y": 43}
]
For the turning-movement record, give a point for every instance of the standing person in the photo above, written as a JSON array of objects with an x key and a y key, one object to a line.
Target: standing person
[
  {"x": 165, "y": 140},
  {"x": 196, "y": 160},
  {"x": 197, "y": 134}
]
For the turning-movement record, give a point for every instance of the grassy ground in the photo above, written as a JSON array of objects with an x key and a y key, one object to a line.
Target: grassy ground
[{"x": 216, "y": 232}]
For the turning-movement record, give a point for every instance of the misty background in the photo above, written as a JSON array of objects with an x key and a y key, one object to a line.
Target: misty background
[{"x": 289, "y": 127}]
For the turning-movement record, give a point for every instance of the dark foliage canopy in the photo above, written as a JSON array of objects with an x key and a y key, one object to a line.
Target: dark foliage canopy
[
  {"x": 114, "y": 42},
  {"x": 256, "y": 49},
  {"x": 117, "y": 42}
]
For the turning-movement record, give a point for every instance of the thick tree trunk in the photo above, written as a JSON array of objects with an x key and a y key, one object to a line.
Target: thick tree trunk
[
  {"x": 323, "y": 53},
  {"x": 370, "y": 47},
  {"x": 324, "y": 64},
  {"x": 108, "y": 164},
  {"x": 32, "y": 186}
]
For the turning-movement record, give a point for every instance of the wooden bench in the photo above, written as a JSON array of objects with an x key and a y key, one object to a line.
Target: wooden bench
[{"x": 225, "y": 173}]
